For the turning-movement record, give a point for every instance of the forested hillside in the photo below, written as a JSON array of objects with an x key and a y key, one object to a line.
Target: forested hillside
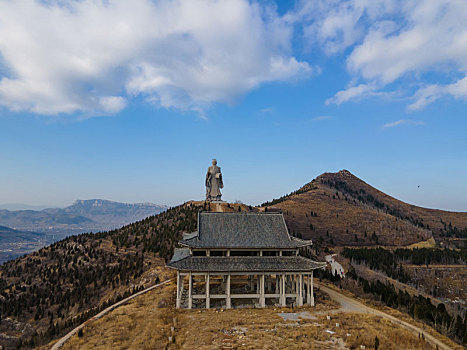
[{"x": 47, "y": 292}]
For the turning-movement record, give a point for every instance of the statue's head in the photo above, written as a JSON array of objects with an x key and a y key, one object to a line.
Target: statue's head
[{"x": 214, "y": 162}]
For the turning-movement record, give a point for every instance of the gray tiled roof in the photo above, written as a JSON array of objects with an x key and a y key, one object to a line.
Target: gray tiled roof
[
  {"x": 180, "y": 253},
  {"x": 245, "y": 263},
  {"x": 190, "y": 235},
  {"x": 242, "y": 230}
]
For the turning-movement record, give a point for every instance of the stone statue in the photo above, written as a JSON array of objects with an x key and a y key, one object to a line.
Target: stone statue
[{"x": 214, "y": 182}]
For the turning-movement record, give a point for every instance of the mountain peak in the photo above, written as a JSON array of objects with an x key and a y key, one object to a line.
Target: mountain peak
[
  {"x": 93, "y": 201},
  {"x": 344, "y": 173}
]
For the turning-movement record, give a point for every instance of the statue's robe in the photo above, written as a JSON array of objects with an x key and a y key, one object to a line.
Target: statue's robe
[{"x": 214, "y": 183}]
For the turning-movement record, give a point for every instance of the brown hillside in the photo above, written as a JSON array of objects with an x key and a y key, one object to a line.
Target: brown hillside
[
  {"x": 339, "y": 208},
  {"x": 46, "y": 293}
]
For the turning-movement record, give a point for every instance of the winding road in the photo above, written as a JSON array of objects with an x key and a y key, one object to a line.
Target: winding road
[{"x": 352, "y": 305}]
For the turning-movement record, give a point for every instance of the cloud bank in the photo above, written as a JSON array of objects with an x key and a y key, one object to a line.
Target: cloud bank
[
  {"x": 95, "y": 56},
  {"x": 391, "y": 42}
]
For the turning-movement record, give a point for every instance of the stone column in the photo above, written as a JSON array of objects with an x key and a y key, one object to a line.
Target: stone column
[
  {"x": 283, "y": 298},
  {"x": 208, "y": 299},
  {"x": 228, "y": 300},
  {"x": 297, "y": 292},
  {"x": 179, "y": 297},
  {"x": 262, "y": 300},
  {"x": 312, "y": 297},
  {"x": 300, "y": 285},
  {"x": 279, "y": 280},
  {"x": 190, "y": 290}
]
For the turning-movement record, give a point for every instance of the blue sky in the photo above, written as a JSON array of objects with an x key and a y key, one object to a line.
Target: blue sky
[{"x": 133, "y": 107}]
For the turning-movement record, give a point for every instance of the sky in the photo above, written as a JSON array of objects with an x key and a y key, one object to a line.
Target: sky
[{"x": 130, "y": 100}]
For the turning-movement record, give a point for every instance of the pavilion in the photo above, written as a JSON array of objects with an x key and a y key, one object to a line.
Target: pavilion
[{"x": 244, "y": 257}]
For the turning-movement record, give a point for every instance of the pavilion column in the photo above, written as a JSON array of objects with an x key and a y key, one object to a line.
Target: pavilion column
[
  {"x": 179, "y": 297},
  {"x": 280, "y": 288},
  {"x": 190, "y": 290},
  {"x": 208, "y": 299},
  {"x": 228, "y": 300},
  {"x": 300, "y": 289},
  {"x": 277, "y": 284},
  {"x": 262, "y": 300},
  {"x": 283, "y": 298},
  {"x": 297, "y": 292},
  {"x": 312, "y": 297}
]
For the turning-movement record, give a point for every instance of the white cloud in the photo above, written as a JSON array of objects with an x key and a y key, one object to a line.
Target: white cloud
[
  {"x": 425, "y": 96},
  {"x": 336, "y": 25},
  {"x": 431, "y": 93},
  {"x": 352, "y": 93},
  {"x": 402, "y": 122},
  {"x": 93, "y": 56},
  {"x": 394, "y": 42},
  {"x": 112, "y": 104},
  {"x": 435, "y": 33}
]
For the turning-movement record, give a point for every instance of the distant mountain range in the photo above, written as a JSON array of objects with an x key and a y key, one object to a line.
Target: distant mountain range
[
  {"x": 22, "y": 231},
  {"x": 82, "y": 215}
]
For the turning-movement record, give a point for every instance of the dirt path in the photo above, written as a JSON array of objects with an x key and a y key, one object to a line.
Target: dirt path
[
  {"x": 62, "y": 340},
  {"x": 352, "y": 305}
]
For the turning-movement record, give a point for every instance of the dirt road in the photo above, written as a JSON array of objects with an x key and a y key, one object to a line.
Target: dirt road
[{"x": 352, "y": 305}]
